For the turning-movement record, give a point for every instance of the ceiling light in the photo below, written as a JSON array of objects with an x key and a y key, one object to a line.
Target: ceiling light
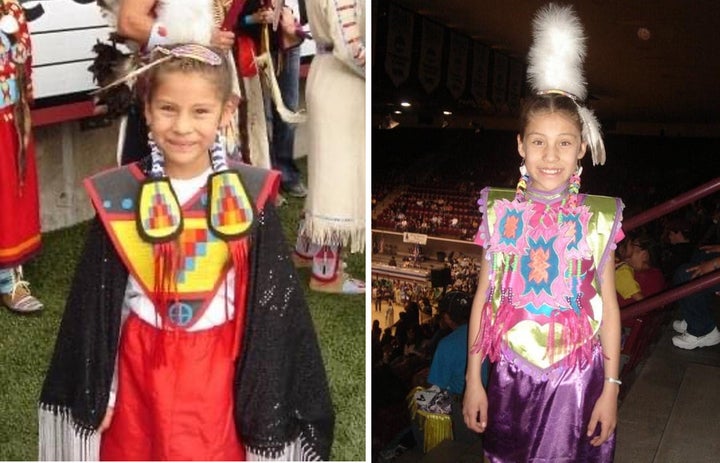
[
  {"x": 405, "y": 104},
  {"x": 398, "y": 112},
  {"x": 447, "y": 113}
]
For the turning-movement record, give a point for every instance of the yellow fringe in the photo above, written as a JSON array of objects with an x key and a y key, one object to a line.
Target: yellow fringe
[{"x": 435, "y": 427}]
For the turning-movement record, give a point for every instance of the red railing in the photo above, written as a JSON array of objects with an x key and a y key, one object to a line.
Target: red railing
[
  {"x": 672, "y": 205},
  {"x": 657, "y": 301},
  {"x": 645, "y": 306}
]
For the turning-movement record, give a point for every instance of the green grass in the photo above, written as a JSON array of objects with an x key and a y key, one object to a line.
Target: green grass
[{"x": 26, "y": 343}]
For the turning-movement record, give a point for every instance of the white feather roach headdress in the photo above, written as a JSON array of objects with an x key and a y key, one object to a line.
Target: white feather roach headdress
[{"x": 555, "y": 65}]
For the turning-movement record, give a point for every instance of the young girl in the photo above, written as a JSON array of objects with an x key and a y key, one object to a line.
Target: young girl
[
  {"x": 185, "y": 335},
  {"x": 545, "y": 311}
]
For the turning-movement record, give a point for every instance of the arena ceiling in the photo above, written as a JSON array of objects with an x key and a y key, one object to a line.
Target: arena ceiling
[{"x": 649, "y": 61}]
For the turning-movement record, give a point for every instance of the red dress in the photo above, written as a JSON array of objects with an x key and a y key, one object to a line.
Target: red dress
[{"x": 19, "y": 205}]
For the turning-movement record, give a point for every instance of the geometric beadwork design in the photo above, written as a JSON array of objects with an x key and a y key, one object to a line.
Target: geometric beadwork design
[
  {"x": 195, "y": 244},
  {"x": 159, "y": 215},
  {"x": 230, "y": 209},
  {"x": 203, "y": 256}
]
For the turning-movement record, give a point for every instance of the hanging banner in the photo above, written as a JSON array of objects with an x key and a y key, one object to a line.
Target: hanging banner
[
  {"x": 479, "y": 77},
  {"x": 500, "y": 78},
  {"x": 398, "y": 55},
  {"x": 515, "y": 82},
  {"x": 457, "y": 65},
  {"x": 431, "y": 47}
]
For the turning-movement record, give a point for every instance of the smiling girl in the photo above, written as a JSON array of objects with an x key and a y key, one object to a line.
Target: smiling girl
[
  {"x": 186, "y": 335},
  {"x": 545, "y": 312}
]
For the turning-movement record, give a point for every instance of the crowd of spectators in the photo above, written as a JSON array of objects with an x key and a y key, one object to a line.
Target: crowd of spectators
[{"x": 435, "y": 212}]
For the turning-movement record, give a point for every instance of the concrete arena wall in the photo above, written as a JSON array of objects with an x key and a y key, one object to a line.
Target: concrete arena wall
[
  {"x": 433, "y": 246},
  {"x": 66, "y": 154}
]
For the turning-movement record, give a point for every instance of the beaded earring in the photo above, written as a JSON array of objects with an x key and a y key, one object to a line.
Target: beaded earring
[
  {"x": 574, "y": 186},
  {"x": 218, "y": 154},
  {"x": 522, "y": 183}
]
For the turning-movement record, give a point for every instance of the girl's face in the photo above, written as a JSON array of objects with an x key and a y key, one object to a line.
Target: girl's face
[
  {"x": 551, "y": 148},
  {"x": 184, "y": 115},
  {"x": 637, "y": 256}
]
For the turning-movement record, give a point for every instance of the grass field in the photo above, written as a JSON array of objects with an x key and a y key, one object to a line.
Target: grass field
[{"x": 26, "y": 344}]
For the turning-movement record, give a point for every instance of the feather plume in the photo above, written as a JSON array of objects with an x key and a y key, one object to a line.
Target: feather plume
[
  {"x": 558, "y": 51},
  {"x": 592, "y": 135},
  {"x": 186, "y": 20}
]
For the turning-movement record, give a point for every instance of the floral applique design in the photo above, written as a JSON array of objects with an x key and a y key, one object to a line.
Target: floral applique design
[
  {"x": 578, "y": 220},
  {"x": 509, "y": 235},
  {"x": 540, "y": 285}
]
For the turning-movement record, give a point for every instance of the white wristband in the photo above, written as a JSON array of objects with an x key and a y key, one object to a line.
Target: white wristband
[{"x": 613, "y": 381}]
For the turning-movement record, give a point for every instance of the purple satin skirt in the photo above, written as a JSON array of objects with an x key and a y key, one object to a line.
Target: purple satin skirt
[{"x": 542, "y": 415}]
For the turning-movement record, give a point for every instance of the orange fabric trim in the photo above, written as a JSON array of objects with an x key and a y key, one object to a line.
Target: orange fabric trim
[{"x": 35, "y": 240}]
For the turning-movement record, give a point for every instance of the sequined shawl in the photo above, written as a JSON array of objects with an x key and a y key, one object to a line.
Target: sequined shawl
[{"x": 282, "y": 402}]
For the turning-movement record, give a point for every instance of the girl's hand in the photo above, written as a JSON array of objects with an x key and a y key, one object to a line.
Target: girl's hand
[
  {"x": 222, "y": 39},
  {"x": 107, "y": 419},
  {"x": 475, "y": 405},
  {"x": 604, "y": 413}
]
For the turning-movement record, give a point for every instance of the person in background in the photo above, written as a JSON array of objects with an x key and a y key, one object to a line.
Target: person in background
[
  {"x": 285, "y": 49},
  {"x": 679, "y": 246},
  {"x": 697, "y": 327},
  {"x": 334, "y": 217},
  {"x": 447, "y": 370},
  {"x": 20, "y": 237},
  {"x": 637, "y": 275}
]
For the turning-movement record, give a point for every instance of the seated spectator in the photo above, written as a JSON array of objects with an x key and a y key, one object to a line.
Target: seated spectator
[
  {"x": 697, "y": 328},
  {"x": 413, "y": 342},
  {"x": 447, "y": 370},
  {"x": 387, "y": 337},
  {"x": 637, "y": 275},
  {"x": 679, "y": 248}
]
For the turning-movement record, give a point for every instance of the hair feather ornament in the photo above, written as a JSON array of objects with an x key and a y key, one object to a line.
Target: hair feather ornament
[{"x": 555, "y": 65}]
